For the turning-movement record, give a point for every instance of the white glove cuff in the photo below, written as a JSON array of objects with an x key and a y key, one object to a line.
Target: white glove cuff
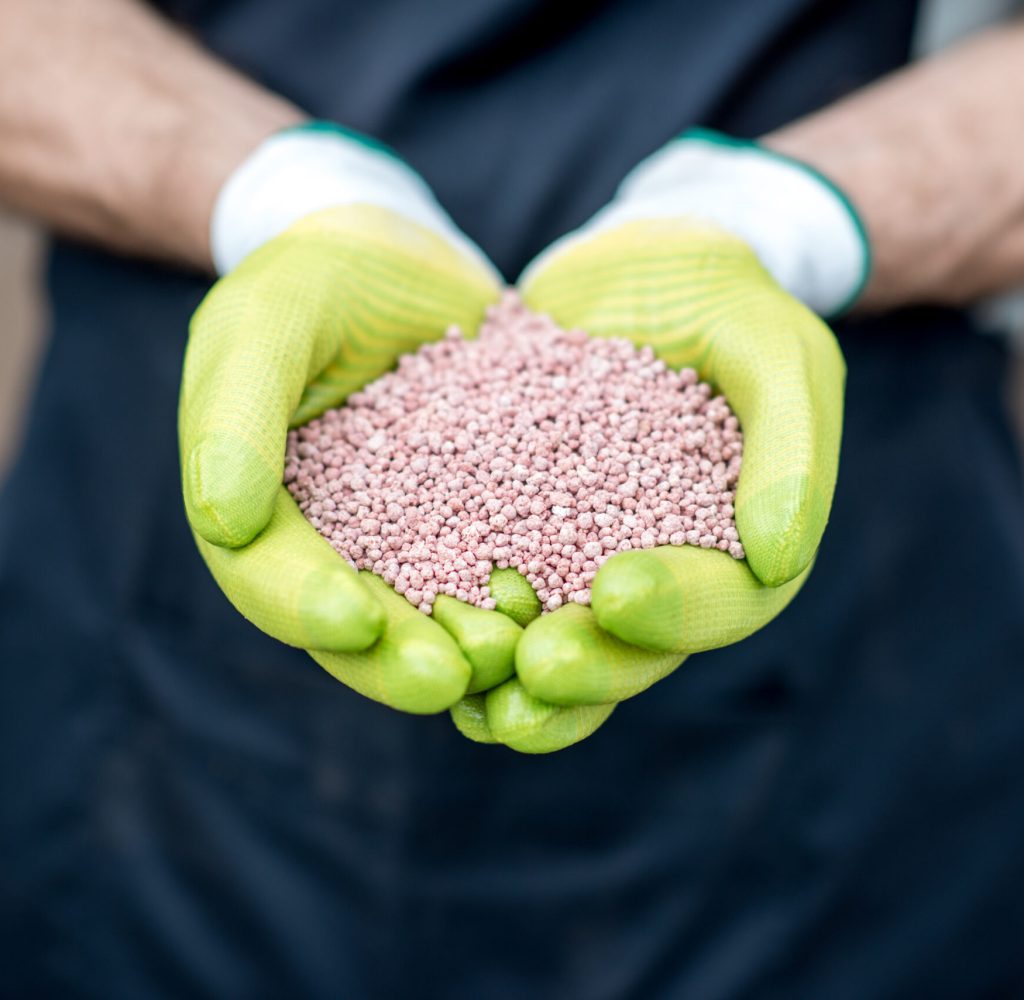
[
  {"x": 802, "y": 227},
  {"x": 311, "y": 167}
]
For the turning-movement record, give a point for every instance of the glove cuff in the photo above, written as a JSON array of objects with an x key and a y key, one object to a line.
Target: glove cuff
[
  {"x": 314, "y": 166},
  {"x": 802, "y": 227}
]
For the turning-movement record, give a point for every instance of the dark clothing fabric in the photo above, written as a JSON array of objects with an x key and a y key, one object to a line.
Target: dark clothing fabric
[{"x": 831, "y": 808}]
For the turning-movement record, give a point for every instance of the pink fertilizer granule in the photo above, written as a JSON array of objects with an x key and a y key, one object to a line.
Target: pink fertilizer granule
[{"x": 530, "y": 446}]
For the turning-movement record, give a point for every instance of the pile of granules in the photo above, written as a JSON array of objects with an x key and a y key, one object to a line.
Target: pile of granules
[{"x": 532, "y": 447}]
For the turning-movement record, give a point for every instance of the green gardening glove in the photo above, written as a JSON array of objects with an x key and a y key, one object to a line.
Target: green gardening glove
[
  {"x": 663, "y": 271},
  {"x": 337, "y": 260}
]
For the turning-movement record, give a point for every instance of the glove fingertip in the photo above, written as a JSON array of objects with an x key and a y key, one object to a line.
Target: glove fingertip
[
  {"x": 470, "y": 718},
  {"x": 229, "y": 490},
  {"x": 529, "y": 725},
  {"x": 513, "y": 596},
  {"x": 781, "y": 527},
  {"x": 636, "y": 598},
  {"x": 424, "y": 675},
  {"x": 487, "y": 639},
  {"x": 549, "y": 657},
  {"x": 340, "y": 615}
]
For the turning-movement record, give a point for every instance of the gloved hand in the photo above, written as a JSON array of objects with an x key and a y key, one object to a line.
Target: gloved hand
[
  {"x": 337, "y": 259},
  {"x": 711, "y": 253}
]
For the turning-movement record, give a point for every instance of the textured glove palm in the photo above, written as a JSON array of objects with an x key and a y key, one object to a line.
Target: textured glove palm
[
  {"x": 302, "y": 322},
  {"x": 700, "y": 298}
]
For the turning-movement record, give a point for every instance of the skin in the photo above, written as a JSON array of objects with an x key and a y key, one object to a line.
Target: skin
[
  {"x": 117, "y": 128},
  {"x": 931, "y": 158}
]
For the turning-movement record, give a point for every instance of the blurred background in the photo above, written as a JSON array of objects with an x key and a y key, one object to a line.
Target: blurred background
[{"x": 23, "y": 325}]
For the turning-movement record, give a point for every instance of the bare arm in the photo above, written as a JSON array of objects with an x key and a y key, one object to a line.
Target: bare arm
[
  {"x": 933, "y": 157},
  {"x": 116, "y": 127}
]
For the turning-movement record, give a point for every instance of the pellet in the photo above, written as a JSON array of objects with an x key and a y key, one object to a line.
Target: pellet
[{"x": 528, "y": 446}]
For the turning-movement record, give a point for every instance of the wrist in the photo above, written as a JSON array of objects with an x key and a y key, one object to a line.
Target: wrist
[
  {"x": 860, "y": 171},
  {"x": 313, "y": 166},
  {"x": 801, "y": 224},
  {"x": 803, "y": 229},
  {"x": 193, "y": 186},
  {"x": 194, "y": 151}
]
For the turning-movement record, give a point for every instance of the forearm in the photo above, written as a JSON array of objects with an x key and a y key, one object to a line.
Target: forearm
[
  {"x": 116, "y": 127},
  {"x": 932, "y": 159}
]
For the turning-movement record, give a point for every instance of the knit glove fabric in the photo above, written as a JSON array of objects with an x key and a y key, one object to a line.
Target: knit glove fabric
[
  {"x": 337, "y": 259},
  {"x": 705, "y": 255}
]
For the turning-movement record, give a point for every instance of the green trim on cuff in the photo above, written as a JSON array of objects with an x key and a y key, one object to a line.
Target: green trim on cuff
[
  {"x": 333, "y": 128},
  {"x": 714, "y": 138}
]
